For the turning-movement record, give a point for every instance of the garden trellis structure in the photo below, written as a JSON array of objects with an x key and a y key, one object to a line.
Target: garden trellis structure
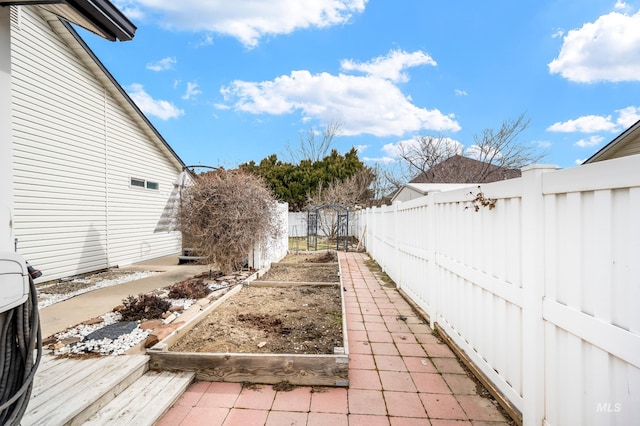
[{"x": 342, "y": 225}]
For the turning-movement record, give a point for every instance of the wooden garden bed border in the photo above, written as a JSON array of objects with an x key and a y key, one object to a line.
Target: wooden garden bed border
[{"x": 296, "y": 369}]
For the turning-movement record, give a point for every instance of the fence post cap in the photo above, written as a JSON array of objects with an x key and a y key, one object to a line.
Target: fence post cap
[{"x": 539, "y": 167}]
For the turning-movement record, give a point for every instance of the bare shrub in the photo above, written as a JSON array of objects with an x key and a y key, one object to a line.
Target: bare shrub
[
  {"x": 189, "y": 289},
  {"x": 225, "y": 214},
  {"x": 145, "y": 306},
  {"x": 350, "y": 192}
]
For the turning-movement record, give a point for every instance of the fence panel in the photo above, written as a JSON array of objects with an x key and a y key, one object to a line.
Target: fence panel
[
  {"x": 541, "y": 293},
  {"x": 273, "y": 248},
  {"x": 592, "y": 288},
  {"x": 414, "y": 250},
  {"x": 478, "y": 285}
]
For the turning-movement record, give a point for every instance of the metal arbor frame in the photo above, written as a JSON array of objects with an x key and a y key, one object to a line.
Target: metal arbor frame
[{"x": 342, "y": 231}]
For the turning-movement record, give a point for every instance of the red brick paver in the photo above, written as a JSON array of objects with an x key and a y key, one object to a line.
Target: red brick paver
[
  {"x": 221, "y": 395},
  {"x": 330, "y": 400},
  {"x": 243, "y": 416},
  {"x": 399, "y": 374}
]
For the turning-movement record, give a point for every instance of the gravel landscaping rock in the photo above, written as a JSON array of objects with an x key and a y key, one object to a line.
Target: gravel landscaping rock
[{"x": 113, "y": 331}]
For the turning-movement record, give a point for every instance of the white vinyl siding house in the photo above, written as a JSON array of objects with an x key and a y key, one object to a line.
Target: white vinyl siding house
[
  {"x": 77, "y": 142},
  {"x": 625, "y": 144}
]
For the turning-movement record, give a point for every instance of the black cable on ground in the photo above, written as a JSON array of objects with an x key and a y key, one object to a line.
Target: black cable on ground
[{"x": 20, "y": 336}]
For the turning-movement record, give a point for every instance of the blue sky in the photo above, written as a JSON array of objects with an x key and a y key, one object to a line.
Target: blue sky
[{"x": 227, "y": 82}]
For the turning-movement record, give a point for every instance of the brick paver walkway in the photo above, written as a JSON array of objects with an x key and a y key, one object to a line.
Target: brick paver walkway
[{"x": 399, "y": 374}]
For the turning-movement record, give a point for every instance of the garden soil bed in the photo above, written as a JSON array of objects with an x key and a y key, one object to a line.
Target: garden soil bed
[
  {"x": 285, "y": 326},
  {"x": 283, "y": 320}
]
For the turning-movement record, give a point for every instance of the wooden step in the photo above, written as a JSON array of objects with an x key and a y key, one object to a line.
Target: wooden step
[
  {"x": 145, "y": 401},
  {"x": 68, "y": 391}
]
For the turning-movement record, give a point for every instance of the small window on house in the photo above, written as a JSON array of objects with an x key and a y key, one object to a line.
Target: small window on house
[{"x": 141, "y": 183}]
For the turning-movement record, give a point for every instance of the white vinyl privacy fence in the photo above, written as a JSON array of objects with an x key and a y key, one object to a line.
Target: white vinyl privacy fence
[
  {"x": 275, "y": 247},
  {"x": 542, "y": 292}
]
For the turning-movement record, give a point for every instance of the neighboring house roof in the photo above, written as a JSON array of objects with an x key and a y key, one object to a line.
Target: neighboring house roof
[
  {"x": 416, "y": 190},
  {"x": 460, "y": 169},
  {"x": 627, "y": 143},
  {"x": 425, "y": 188},
  {"x": 91, "y": 61},
  {"x": 98, "y": 16}
]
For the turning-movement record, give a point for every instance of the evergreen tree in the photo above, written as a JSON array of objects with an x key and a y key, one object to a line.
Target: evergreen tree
[{"x": 294, "y": 183}]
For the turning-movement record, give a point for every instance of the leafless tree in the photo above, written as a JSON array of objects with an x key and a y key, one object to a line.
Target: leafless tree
[
  {"x": 493, "y": 156},
  {"x": 424, "y": 152},
  {"x": 314, "y": 145},
  {"x": 352, "y": 192},
  {"x": 502, "y": 150},
  {"x": 225, "y": 214},
  {"x": 384, "y": 183}
]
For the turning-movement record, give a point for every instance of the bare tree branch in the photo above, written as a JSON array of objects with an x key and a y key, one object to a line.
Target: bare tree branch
[
  {"x": 225, "y": 214},
  {"x": 313, "y": 145},
  {"x": 495, "y": 155},
  {"x": 425, "y": 152},
  {"x": 350, "y": 192},
  {"x": 502, "y": 149}
]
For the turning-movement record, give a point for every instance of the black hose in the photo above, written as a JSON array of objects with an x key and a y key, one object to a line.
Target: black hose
[{"x": 20, "y": 336}]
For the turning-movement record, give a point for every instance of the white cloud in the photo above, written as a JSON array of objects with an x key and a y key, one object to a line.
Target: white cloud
[
  {"x": 130, "y": 9},
  {"x": 207, "y": 40},
  {"x": 249, "y": 21},
  {"x": 459, "y": 92},
  {"x": 192, "y": 91},
  {"x": 585, "y": 124},
  {"x": 361, "y": 148},
  {"x": 383, "y": 160},
  {"x": 620, "y": 5},
  {"x": 597, "y": 123},
  {"x": 158, "y": 108},
  {"x": 628, "y": 116},
  {"x": 390, "y": 66},
  {"x": 605, "y": 50},
  {"x": 542, "y": 144},
  {"x": 589, "y": 142},
  {"x": 579, "y": 161},
  {"x": 478, "y": 153},
  {"x": 365, "y": 104},
  {"x": 392, "y": 150},
  {"x": 162, "y": 65},
  {"x": 558, "y": 33}
]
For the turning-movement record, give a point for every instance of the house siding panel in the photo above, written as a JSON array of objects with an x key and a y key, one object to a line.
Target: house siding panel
[
  {"x": 133, "y": 236},
  {"x": 76, "y": 146}
]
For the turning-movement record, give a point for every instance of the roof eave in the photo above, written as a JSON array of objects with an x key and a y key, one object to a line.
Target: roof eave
[
  {"x": 107, "y": 17},
  {"x": 603, "y": 151},
  {"x": 100, "y": 17}
]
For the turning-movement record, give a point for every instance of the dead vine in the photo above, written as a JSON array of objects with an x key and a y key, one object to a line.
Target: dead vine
[{"x": 480, "y": 200}]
